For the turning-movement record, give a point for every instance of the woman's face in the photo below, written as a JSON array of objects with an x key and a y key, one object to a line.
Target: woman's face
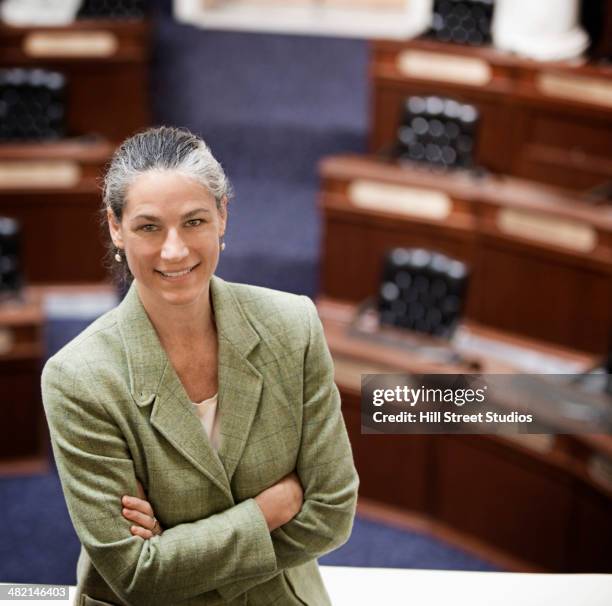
[{"x": 170, "y": 233}]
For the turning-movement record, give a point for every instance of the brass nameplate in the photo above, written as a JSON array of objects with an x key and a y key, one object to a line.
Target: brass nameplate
[
  {"x": 410, "y": 201},
  {"x": 585, "y": 90},
  {"x": 566, "y": 233},
  {"x": 70, "y": 44},
  {"x": 6, "y": 340},
  {"x": 444, "y": 68},
  {"x": 39, "y": 174}
]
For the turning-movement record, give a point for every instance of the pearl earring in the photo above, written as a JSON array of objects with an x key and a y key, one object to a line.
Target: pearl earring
[
  {"x": 222, "y": 246},
  {"x": 118, "y": 257}
]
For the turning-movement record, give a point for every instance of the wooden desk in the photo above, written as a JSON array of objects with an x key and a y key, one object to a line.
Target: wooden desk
[
  {"x": 106, "y": 64},
  {"x": 23, "y": 431},
  {"x": 52, "y": 189},
  {"x": 534, "y": 498},
  {"x": 22, "y": 436},
  {"x": 547, "y": 121},
  {"x": 540, "y": 257}
]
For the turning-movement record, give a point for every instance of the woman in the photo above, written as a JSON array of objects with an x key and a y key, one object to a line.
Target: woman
[{"x": 198, "y": 406}]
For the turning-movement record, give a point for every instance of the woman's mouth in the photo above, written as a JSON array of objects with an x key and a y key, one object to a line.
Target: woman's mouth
[{"x": 175, "y": 275}]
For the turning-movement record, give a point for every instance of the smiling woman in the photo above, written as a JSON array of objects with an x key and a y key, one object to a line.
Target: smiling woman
[
  {"x": 171, "y": 232},
  {"x": 196, "y": 427}
]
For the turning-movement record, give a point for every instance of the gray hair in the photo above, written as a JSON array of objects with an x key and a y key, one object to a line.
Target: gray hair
[{"x": 158, "y": 149}]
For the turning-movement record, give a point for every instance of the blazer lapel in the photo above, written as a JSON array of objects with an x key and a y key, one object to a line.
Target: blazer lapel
[
  {"x": 174, "y": 417},
  {"x": 240, "y": 383},
  {"x": 153, "y": 382}
]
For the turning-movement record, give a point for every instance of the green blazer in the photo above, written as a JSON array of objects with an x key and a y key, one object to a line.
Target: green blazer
[{"x": 118, "y": 413}]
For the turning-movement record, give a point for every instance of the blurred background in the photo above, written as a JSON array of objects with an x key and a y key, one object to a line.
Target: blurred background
[{"x": 435, "y": 174}]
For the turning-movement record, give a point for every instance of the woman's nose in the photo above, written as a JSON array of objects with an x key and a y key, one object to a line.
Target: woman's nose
[{"x": 173, "y": 249}]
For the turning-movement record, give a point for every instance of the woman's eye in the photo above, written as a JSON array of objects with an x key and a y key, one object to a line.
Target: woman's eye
[
  {"x": 194, "y": 222},
  {"x": 148, "y": 227}
]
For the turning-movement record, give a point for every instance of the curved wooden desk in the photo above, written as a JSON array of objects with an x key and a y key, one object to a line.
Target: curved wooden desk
[{"x": 536, "y": 498}]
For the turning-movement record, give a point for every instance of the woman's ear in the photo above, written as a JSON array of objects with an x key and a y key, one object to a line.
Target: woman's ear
[{"x": 114, "y": 227}]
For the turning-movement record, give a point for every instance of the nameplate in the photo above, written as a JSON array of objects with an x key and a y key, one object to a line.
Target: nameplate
[
  {"x": 444, "y": 68},
  {"x": 410, "y": 201},
  {"x": 573, "y": 235},
  {"x": 39, "y": 175},
  {"x": 6, "y": 340},
  {"x": 70, "y": 44},
  {"x": 586, "y": 90}
]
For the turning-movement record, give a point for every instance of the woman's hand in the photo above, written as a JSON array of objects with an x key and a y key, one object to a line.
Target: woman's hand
[
  {"x": 281, "y": 502},
  {"x": 139, "y": 511}
]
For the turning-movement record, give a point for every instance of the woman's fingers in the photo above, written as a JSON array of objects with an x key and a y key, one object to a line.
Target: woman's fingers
[
  {"x": 147, "y": 522},
  {"x": 138, "y": 504},
  {"x": 139, "y": 511},
  {"x": 137, "y": 531}
]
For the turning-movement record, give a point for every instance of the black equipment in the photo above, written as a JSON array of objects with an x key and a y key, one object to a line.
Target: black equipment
[
  {"x": 422, "y": 290},
  {"x": 438, "y": 131},
  {"x": 32, "y": 104},
  {"x": 463, "y": 22},
  {"x": 113, "y": 9},
  {"x": 596, "y": 18}
]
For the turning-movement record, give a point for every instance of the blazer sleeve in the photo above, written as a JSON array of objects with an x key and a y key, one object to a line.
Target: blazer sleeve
[
  {"x": 96, "y": 470},
  {"x": 325, "y": 468}
]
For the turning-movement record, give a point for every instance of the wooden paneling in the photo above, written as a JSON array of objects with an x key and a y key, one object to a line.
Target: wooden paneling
[
  {"x": 548, "y": 299},
  {"x": 62, "y": 238},
  {"x": 503, "y": 495},
  {"x": 590, "y": 522},
  {"x": 20, "y": 405},
  {"x": 402, "y": 476}
]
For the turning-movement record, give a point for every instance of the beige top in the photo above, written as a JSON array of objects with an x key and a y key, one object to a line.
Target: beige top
[{"x": 207, "y": 412}]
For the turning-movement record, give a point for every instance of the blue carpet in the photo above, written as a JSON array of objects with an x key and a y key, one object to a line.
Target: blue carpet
[
  {"x": 283, "y": 217},
  {"x": 270, "y": 101},
  {"x": 379, "y": 545},
  {"x": 38, "y": 543}
]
